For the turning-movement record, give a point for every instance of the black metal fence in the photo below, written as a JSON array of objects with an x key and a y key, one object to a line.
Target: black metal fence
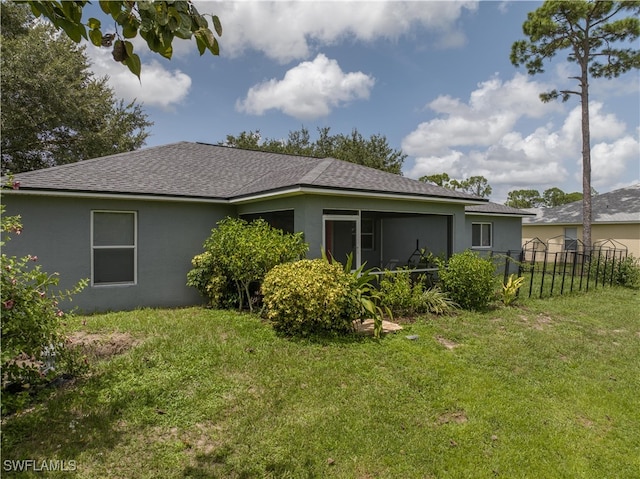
[{"x": 561, "y": 265}]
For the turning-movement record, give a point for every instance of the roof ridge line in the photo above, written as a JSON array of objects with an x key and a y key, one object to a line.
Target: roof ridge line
[
  {"x": 316, "y": 171},
  {"x": 234, "y": 193}
]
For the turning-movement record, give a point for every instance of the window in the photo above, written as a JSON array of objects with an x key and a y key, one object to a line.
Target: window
[
  {"x": 481, "y": 235},
  {"x": 571, "y": 239},
  {"x": 367, "y": 234},
  {"x": 282, "y": 219},
  {"x": 113, "y": 247}
]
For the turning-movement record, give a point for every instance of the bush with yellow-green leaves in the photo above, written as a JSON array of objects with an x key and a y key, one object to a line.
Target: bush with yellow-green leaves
[{"x": 310, "y": 297}]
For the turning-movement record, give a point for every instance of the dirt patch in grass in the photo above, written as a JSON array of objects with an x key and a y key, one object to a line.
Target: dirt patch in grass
[
  {"x": 455, "y": 417},
  {"x": 447, "y": 343},
  {"x": 585, "y": 422},
  {"x": 539, "y": 322},
  {"x": 102, "y": 346},
  {"x": 200, "y": 438}
]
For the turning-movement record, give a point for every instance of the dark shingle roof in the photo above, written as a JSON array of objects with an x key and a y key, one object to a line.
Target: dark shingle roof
[
  {"x": 496, "y": 209},
  {"x": 197, "y": 170},
  {"x": 618, "y": 206}
]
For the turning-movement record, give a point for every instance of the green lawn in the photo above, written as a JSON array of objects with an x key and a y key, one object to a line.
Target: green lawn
[{"x": 548, "y": 389}]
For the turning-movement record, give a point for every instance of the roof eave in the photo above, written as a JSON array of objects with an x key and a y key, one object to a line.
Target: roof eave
[
  {"x": 509, "y": 215},
  {"x": 113, "y": 195},
  {"x": 249, "y": 198},
  {"x": 579, "y": 223},
  {"x": 330, "y": 191}
]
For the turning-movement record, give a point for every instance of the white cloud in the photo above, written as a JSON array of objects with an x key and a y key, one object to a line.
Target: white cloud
[
  {"x": 287, "y": 31},
  {"x": 307, "y": 91},
  {"x": 610, "y": 161},
  {"x": 157, "y": 86},
  {"x": 491, "y": 112},
  {"x": 483, "y": 136},
  {"x": 602, "y": 125}
]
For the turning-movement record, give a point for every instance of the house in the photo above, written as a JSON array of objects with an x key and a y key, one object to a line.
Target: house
[
  {"x": 615, "y": 223},
  {"x": 482, "y": 220},
  {"x": 132, "y": 222}
]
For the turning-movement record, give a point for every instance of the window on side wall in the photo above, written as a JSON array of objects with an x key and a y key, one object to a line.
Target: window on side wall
[
  {"x": 571, "y": 239},
  {"x": 481, "y": 235},
  {"x": 367, "y": 234},
  {"x": 113, "y": 247}
]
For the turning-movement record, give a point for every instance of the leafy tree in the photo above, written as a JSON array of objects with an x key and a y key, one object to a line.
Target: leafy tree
[
  {"x": 53, "y": 110},
  {"x": 524, "y": 199},
  {"x": 157, "y": 23},
  {"x": 593, "y": 32},
  {"x": 556, "y": 197},
  {"x": 550, "y": 198},
  {"x": 571, "y": 197},
  {"x": 247, "y": 140},
  {"x": 476, "y": 185},
  {"x": 374, "y": 152},
  {"x": 439, "y": 179}
]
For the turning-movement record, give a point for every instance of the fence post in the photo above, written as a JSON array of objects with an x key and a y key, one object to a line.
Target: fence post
[
  {"x": 533, "y": 270},
  {"x": 613, "y": 267},
  {"x": 573, "y": 270},
  {"x": 506, "y": 267},
  {"x": 598, "y": 267},
  {"x": 564, "y": 271},
  {"x": 553, "y": 278},
  {"x": 544, "y": 272}
]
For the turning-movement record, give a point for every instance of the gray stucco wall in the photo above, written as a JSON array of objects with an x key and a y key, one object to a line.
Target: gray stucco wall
[
  {"x": 398, "y": 241},
  {"x": 170, "y": 233},
  {"x": 507, "y": 231},
  {"x": 58, "y": 229}
]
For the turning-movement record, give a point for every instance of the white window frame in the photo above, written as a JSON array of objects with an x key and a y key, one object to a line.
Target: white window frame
[
  {"x": 112, "y": 247},
  {"x": 482, "y": 227},
  {"x": 371, "y": 234},
  {"x": 355, "y": 218}
]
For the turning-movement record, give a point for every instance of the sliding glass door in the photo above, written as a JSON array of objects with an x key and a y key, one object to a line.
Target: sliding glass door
[{"x": 341, "y": 234}]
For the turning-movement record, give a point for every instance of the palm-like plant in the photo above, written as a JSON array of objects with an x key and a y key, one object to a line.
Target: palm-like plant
[{"x": 367, "y": 295}]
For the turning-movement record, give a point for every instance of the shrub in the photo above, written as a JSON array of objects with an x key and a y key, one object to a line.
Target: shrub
[
  {"x": 404, "y": 296},
  {"x": 627, "y": 272},
  {"x": 401, "y": 293},
  {"x": 469, "y": 280},
  {"x": 310, "y": 296},
  {"x": 208, "y": 277},
  {"x": 612, "y": 269},
  {"x": 435, "y": 301},
  {"x": 237, "y": 257},
  {"x": 397, "y": 292},
  {"x": 33, "y": 345}
]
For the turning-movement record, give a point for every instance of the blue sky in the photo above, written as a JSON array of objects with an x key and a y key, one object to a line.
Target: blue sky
[{"x": 433, "y": 77}]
